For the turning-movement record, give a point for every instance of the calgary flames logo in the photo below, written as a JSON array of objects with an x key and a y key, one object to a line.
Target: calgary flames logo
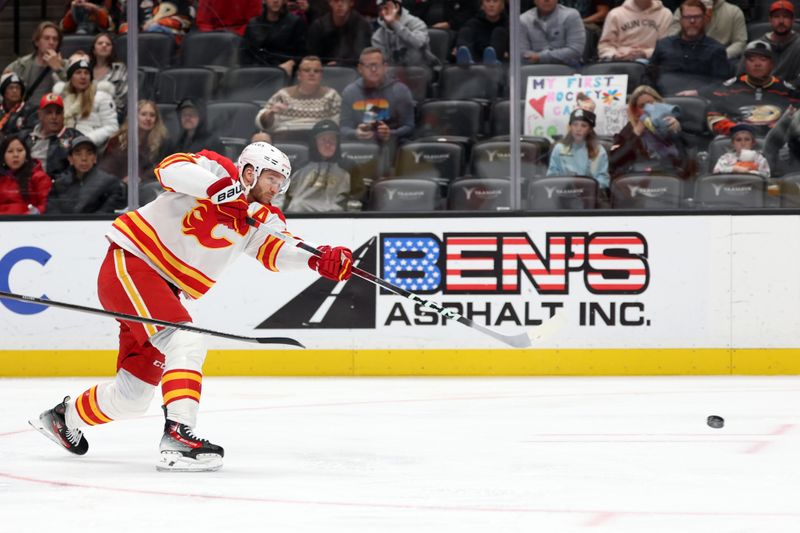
[{"x": 200, "y": 223}]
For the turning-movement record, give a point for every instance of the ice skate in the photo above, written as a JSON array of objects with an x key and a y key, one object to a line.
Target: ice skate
[
  {"x": 52, "y": 425},
  {"x": 183, "y": 451}
]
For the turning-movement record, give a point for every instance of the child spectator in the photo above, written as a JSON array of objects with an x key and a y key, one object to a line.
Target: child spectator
[
  {"x": 579, "y": 153},
  {"x": 743, "y": 157},
  {"x": 23, "y": 184},
  {"x": 107, "y": 67}
]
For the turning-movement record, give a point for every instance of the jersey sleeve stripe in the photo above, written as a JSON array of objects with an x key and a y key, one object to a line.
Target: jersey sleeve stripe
[{"x": 268, "y": 252}]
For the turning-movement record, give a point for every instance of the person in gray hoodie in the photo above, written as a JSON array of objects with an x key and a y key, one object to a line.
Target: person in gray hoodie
[
  {"x": 375, "y": 107},
  {"x": 552, "y": 33},
  {"x": 402, "y": 37},
  {"x": 632, "y": 29}
]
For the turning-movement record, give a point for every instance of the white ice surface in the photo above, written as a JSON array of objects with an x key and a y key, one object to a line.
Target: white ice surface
[{"x": 429, "y": 454}]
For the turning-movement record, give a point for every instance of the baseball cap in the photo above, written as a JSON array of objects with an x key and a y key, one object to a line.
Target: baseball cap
[
  {"x": 742, "y": 127},
  {"x": 51, "y": 99},
  {"x": 185, "y": 104},
  {"x": 324, "y": 126},
  {"x": 762, "y": 48},
  {"x": 9, "y": 78},
  {"x": 79, "y": 140},
  {"x": 781, "y": 5},
  {"x": 582, "y": 114}
]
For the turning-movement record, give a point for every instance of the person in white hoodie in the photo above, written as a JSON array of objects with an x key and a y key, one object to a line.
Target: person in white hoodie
[
  {"x": 88, "y": 105},
  {"x": 632, "y": 29},
  {"x": 402, "y": 37}
]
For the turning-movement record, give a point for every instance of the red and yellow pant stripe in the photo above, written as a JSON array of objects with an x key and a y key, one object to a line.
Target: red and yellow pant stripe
[
  {"x": 88, "y": 410},
  {"x": 180, "y": 384}
]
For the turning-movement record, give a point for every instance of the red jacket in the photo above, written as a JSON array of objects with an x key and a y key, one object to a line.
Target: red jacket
[
  {"x": 228, "y": 15},
  {"x": 11, "y": 201}
]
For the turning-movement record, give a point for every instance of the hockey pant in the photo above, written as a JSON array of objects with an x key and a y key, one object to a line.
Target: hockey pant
[{"x": 148, "y": 354}]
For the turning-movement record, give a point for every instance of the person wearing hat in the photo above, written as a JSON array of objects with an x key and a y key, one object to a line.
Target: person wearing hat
[
  {"x": 756, "y": 97},
  {"x": 743, "y": 157},
  {"x": 724, "y": 22},
  {"x": 402, "y": 37},
  {"x": 41, "y": 69},
  {"x": 195, "y": 132},
  {"x": 579, "y": 153},
  {"x": 88, "y": 105},
  {"x": 784, "y": 40},
  {"x": 321, "y": 185},
  {"x": 50, "y": 139},
  {"x": 15, "y": 114},
  {"x": 84, "y": 188}
]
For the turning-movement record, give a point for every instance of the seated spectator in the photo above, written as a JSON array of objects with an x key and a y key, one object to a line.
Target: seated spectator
[
  {"x": 339, "y": 36},
  {"x": 107, "y": 67},
  {"x": 23, "y": 184},
  {"x": 308, "y": 10},
  {"x": 443, "y": 14},
  {"x": 743, "y": 157},
  {"x": 552, "y": 33},
  {"x": 301, "y": 106},
  {"x": 484, "y": 35},
  {"x": 756, "y": 97},
  {"x": 321, "y": 185},
  {"x": 593, "y": 13},
  {"x": 645, "y": 145},
  {"x": 83, "y": 188},
  {"x": 88, "y": 105},
  {"x": 15, "y": 114},
  {"x": 695, "y": 58},
  {"x": 374, "y": 107},
  {"x": 173, "y": 17},
  {"x": 153, "y": 144},
  {"x": 275, "y": 37},
  {"x": 784, "y": 40},
  {"x": 49, "y": 141},
  {"x": 227, "y": 15},
  {"x": 87, "y": 17},
  {"x": 402, "y": 37},
  {"x": 579, "y": 153},
  {"x": 195, "y": 133},
  {"x": 584, "y": 102},
  {"x": 632, "y": 29},
  {"x": 40, "y": 69},
  {"x": 725, "y": 23}
]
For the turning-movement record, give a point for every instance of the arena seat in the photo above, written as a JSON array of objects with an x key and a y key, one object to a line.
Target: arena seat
[
  {"x": 71, "y": 43},
  {"x": 338, "y": 78},
  {"x": 441, "y": 42},
  {"x": 729, "y": 191},
  {"x": 253, "y": 84},
  {"x": 438, "y": 161},
  {"x": 562, "y": 192},
  {"x": 790, "y": 190},
  {"x": 492, "y": 158},
  {"x": 718, "y": 146},
  {"x": 176, "y": 84},
  {"x": 694, "y": 128},
  {"x": 405, "y": 195},
  {"x": 646, "y": 191},
  {"x": 169, "y": 116},
  {"x": 450, "y": 118},
  {"x": 232, "y": 119},
  {"x": 480, "y": 82},
  {"x": 633, "y": 69},
  {"x": 474, "y": 194},
  {"x": 297, "y": 154},
  {"x": 210, "y": 49},
  {"x": 155, "y": 49},
  {"x": 417, "y": 79},
  {"x": 362, "y": 160}
]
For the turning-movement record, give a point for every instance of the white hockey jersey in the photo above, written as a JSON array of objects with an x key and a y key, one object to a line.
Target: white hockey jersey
[{"x": 178, "y": 234}]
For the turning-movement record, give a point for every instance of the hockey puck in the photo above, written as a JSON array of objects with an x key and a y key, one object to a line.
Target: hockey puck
[{"x": 715, "y": 421}]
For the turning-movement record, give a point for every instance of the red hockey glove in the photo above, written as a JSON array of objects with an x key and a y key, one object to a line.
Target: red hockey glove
[
  {"x": 334, "y": 263},
  {"x": 224, "y": 190},
  {"x": 234, "y": 215}
]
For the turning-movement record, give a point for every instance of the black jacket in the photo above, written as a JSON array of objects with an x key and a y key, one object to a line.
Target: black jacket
[
  {"x": 97, "y": 192},
  {"x": 700, "y": 62},
  {"x": 478, "y": 33},
  {"x": 455, "y": 12},
  {"x": 55, "y": 162},
  {"x": 630, "y": 154},
  {"x": 342, "y": 44},
  {"x": 272, "y": 43}
]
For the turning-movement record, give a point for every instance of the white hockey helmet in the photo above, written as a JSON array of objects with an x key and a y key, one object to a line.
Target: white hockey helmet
[{"x": 263, "y": 156}]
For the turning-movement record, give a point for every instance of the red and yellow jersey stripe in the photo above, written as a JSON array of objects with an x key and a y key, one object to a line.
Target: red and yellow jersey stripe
[
  {"x": 88, "y": 410},
  {"x": 179, "y": 384}
]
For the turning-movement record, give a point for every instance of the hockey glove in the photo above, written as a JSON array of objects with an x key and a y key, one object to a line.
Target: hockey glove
[
  {"x": 234, "y": 215},
  {"x": 334, "y": 263},
  {"x": 224, "y": 190}
]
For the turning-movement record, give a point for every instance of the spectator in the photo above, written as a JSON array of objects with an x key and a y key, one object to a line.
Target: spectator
[
  {"x": 584, "y": 102},
  {"x": 301, "y": 106},
  {"x": 756, "y": 97},
  {"x": 87, "y": 17},
  {"x": 37, "y": 69},
  {"x": 743, "y": 157},
  {"x": 579, "y": 153},
  {"x": 15, "y": 114},
  {"x": 374, "y": 107},
  {"x": 23, "y": 183},
  {"x": 725, "y": 23},
  {"x": 173, "y": 17},
  {"x": 552, "y": 33},
  {"x": 784, "y": 40},
  {"x": 321, "y": 185},
  {"x": 632, "y": 29},
  {"x": 88, "y": 105},
  {"x": 339, "y": 36},
  {"x": 593, "y": 13},
  {"x": 153, "y": 144},
  {"x": 195, "y": 134},
  {"x": 308, "y": 10},
  {"x": 83, "y": 188},
  {"x": 227, "y": 15},
  {"x": 443, "y": 14},
  {"x": 276, "y": 37},
  {"x": 402, "y": 37},
  {"x": 50, "y": 140},
  {"x": 107, "y": 67},
  {"x": 643, "y": 147},
  {"x": 690, "y": 60},
  {"x": 484, "y": 35}
]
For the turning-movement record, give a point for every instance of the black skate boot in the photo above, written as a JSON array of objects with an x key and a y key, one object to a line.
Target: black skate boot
[
  {"x": 183, "y": 451},
  {"x": 52, "y": 425}
]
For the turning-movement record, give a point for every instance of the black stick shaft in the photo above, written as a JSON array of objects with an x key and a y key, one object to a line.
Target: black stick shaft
[{"x": 133, "y": 318}]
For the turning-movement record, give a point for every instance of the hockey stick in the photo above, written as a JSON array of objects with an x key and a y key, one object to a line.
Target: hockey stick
[
  {"x": 133, "y": 318},
  {"x": 517, "y": 341}
]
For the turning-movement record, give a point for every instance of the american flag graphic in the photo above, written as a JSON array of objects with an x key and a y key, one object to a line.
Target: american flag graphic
[{"x": 412, "y": 262}]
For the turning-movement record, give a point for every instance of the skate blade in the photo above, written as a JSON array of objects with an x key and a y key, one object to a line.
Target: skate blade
[
  {"x": 40, "y": 427},
  {"x": 175, "y": 462}
]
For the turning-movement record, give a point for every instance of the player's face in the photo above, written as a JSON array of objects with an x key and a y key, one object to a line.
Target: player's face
[
  {"x": 579, "y": 130},
  {"x": 743, "y": 141},
  {"x": 147, "y": 118},
  {"x": 757, "y": 66},
  {"x": 14, "y": 157},
  {"x": 267, "y": 187}
]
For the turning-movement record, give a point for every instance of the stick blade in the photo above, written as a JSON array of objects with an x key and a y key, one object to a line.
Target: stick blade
[
  {"x": 518, "y": 341},
  {"x": 280, "y": 340}
]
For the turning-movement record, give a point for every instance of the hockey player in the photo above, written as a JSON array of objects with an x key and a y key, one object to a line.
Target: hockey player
[{"x": 181, "y": 242}]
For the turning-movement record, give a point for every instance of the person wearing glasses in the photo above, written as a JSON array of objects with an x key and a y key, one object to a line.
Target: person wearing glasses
[
  {"x": 690, "y": 60},
  {"x": 299, "y": 107},
  {"x": 375, "y": 107},
  {"x": 725, "y": 23}
]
